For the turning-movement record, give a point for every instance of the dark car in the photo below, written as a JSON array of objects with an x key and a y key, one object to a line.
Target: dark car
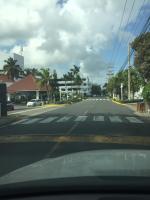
[{"x": 10, "y": 106}]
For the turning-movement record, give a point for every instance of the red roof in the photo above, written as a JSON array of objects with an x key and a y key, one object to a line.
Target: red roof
[
  {"x": 4, "y": 78},
  {"x": 29, "y": 83}
]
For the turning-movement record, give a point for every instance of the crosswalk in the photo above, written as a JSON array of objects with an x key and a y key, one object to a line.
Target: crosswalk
[{"x": 80, "y": 119}]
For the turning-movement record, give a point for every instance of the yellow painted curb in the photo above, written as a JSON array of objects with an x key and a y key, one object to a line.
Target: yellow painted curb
[
  {"x": 122, "y": 104},
  {"x": 53, "y": 105}
]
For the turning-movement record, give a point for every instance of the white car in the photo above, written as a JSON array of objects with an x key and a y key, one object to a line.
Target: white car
[{"x": 34, "y": 102}]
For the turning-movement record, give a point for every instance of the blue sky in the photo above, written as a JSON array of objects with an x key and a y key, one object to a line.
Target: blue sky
[
  {"x": 135, "y": 27},
  {"x": 62, "y": 33}
]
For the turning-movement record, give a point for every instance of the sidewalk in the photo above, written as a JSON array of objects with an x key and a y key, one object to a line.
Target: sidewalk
[{"x": 133, "y": 106}]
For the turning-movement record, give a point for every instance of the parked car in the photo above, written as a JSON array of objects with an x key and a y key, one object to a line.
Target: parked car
[
  {"x": 10, "y": 106},
  {"x": 34, "y": 102}
]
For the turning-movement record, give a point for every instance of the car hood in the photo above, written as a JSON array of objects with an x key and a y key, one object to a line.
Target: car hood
[{"x": 87, "y": 163}]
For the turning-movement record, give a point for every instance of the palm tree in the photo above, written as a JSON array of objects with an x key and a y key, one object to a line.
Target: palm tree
[
  {"x": 45, "y": 80},
  {"x": 32, "y": 71},
  {"x": 13, "y": 70},
  {"x": 54, "y": 84},
  {"x": 76, "y": 76}
]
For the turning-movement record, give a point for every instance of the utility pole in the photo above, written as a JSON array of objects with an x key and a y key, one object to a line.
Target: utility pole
[
  {"x": 121, "y": 86},
  {"x": 129, "y": 76}
]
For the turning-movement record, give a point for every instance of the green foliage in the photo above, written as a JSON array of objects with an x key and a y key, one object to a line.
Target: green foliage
[
  {"x": 146, "y": 92},
  {"x": 12, "y": 69},
  {"x": 32, "y": 71},
  {"x": 74, "y": 75},
  {"x": 49, "y": 81},
  {"x": 114, "y": 83},
  {"x": 141, "y": 45},
  {"x": 96, "y": 89},
  {"x": 45, "y": 80}
]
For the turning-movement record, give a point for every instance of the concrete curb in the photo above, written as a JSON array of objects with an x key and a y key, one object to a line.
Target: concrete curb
[{"x": 122, "y": 104}]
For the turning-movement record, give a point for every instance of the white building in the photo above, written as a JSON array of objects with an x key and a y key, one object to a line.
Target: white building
[
  {"x": 70, "y": 89},
  {"x": 15, "y": 56}
]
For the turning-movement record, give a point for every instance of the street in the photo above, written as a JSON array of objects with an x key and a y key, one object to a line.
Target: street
[{"x": 94, "y": 123}]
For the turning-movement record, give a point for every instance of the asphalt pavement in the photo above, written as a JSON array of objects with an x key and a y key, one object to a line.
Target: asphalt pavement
[{"x": 95, "y": 123}]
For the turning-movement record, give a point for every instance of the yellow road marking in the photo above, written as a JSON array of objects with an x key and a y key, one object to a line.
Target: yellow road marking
[{"x": 137, "y": 140}]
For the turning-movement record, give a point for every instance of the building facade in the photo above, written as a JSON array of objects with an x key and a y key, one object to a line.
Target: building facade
[{"x": 71, "y": 89}]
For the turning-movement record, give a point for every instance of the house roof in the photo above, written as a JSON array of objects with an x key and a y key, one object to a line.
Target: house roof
[
  {"x": 29, "y": 83},
  {"x": 4, "y": 78}
]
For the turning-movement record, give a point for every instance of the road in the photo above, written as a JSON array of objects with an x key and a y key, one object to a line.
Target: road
[{"x": 95, "y": 123}]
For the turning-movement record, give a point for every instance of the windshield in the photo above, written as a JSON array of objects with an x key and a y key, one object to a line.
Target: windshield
[
  {"x": 33, "y": 100},
  {"x": 78, "y": 74}
]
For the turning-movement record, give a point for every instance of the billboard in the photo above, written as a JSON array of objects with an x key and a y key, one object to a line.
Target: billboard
[{"x": 20, "y": 60}]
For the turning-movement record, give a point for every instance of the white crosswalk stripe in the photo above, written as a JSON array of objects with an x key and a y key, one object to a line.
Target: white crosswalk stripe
[
  {"x": 64, "y": 119},
  {"x": 115, "y": 119},
  {"x": 98, "y": 118},
  {"x": 134, "y": 120},
  {"x": 80, "y": 118},
  {"x": 19, "y": 122},
  {"x": 48, "y": 120},
  {"x": 31, "y": 121}
]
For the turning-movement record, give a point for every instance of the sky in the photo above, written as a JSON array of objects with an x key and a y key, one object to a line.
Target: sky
[{"x": 60, "y": 33}]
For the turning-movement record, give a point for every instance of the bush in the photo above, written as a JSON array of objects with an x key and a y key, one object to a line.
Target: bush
[
  {"x": 146, "y": 92},
  {"x": 129, "y": 101}
]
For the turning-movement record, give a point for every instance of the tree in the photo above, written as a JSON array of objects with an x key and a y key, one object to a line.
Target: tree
[
  {"x": 76, "y": 76},
  {"x": 32, "y": 71},
  {"x": 45, "y": 80},
  {"x": 146, "y": 92},
  {"x": 54, "y": 83},
  {"x": 96, "y": 89},
  {"x": 136, "y": 80},
  {"x": 113, "y": 86},
  {"x": 13, "y": 70},
  {"x": 114, "y": 83},
  {"x": 141, "y": 45}
]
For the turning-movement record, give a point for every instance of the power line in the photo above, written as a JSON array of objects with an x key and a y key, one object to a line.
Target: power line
[
  {"x": 114, "y": 46},
  {"x": 144, "y": 30},
  {"x": 136, "y": 24},
  {"x": 120, "y": 43}
]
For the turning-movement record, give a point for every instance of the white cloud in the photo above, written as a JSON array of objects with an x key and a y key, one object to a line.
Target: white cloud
[{"x": 78, "y": 32}]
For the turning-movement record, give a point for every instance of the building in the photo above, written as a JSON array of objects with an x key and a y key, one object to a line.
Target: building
[
  {"x": 28, "y": 87},
  {"x": 4, "y": 79},
  {"x": 70, "y": 89},
  {"x": 15, "y": 56},
  {"x": 20, "y": 60}
]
